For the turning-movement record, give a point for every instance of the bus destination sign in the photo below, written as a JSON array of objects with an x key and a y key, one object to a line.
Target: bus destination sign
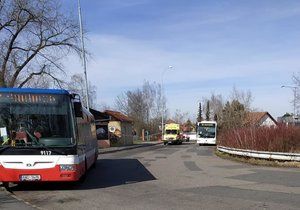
[{"x": 28, "y": 98}]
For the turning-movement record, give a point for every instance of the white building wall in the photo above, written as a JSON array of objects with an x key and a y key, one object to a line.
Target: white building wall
[{"x": 268, "y": 122}]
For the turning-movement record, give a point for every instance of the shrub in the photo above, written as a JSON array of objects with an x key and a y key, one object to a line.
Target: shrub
[{"x": 281, "y": 138}]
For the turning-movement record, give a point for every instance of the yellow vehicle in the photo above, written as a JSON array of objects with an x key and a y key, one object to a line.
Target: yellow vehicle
[{"x": 172, "y": 134}]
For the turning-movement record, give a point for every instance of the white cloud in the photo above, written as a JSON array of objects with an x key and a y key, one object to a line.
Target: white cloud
[{"x": 119, "y": 63}]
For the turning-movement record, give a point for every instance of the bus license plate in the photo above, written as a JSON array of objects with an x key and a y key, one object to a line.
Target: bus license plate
[{"x": 30, "y": 178}]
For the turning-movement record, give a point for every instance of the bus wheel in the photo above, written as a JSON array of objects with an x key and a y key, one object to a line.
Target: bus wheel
[
  {"x": 165, "y": 143},
  {"x": 200, "y": 144}
]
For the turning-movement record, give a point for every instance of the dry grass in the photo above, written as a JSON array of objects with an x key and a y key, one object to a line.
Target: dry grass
[{"x": 259, "y": 162}]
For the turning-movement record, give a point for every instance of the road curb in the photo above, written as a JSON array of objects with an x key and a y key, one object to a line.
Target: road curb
[
  {"x": 7, "y": 193},
  {"x": 127, "y": 148}
]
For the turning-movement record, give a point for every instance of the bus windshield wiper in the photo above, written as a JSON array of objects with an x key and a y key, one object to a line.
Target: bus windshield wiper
[{"x": 39, "y": 145}]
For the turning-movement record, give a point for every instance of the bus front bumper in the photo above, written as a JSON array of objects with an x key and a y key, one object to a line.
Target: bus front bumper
[
  {"x": 43, "y": 175},
  {"x": 206, "y": 141}
]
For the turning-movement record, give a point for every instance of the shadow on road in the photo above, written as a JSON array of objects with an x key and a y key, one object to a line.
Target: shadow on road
[
  {"x": 108, "y": 173},
  {"x": 113, "y": 172},
  {"x": 4, "y": 199}
]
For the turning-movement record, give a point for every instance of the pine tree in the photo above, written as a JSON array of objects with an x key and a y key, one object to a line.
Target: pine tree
[
  {"x": 207, "y": 114},
  {"x": 199, "y": 117}
]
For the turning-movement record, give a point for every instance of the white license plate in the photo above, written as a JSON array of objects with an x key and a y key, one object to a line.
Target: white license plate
[{"x": 30, "y": 178}]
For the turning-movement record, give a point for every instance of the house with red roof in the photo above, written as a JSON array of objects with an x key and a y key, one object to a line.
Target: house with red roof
[
  {"x": 260, "y": 119},
  {"x": 120, "y": 128},
  {"x": 101, "y": 122}
]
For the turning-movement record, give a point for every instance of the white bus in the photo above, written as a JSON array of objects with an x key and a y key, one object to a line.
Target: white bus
[
  {"x": 45, "y": 135},
  {"x": 206, "y": 132}
]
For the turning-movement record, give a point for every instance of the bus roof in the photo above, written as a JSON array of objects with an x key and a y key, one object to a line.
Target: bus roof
[{"x": 34, "y": 90}]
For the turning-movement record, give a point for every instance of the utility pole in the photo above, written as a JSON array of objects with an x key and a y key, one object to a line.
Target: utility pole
[
  {"x": 83, "y": 57},
  {"x": 162, "y": 102}
]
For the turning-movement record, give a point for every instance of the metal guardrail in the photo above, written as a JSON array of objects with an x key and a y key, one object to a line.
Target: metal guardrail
[{"x": 261, "y": 154}]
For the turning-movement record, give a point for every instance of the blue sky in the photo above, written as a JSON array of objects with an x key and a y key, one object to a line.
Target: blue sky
[{"x": 213, "y": 46}]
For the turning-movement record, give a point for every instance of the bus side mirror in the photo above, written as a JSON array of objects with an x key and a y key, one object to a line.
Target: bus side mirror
[{"x": 78, "y": 109}]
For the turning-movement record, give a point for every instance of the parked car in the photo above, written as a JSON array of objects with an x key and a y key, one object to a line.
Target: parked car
[{"x": 186, "y": 137}]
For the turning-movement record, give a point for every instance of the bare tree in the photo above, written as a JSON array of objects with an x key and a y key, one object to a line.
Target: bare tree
[
  {"x": 296, "y": 100},
  {"x": 244, "y": 97},
  {"x": 143, "y": 105},
  {"x": 103, "y": 106},
  {"x": 77, "y": 85},
  {"x": 180, "y": 117},
  {"x": 40, "y": 82},
  {"x": 34, "y": 36},
  {"x": 231, "y": 114},
  {"x": 216, "y": 106}
]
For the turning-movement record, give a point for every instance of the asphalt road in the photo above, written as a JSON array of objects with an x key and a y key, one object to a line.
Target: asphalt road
[{"x": 171, "y": 177}]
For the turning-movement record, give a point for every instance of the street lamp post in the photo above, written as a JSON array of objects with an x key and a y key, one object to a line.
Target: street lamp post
[
  {"x": 162, "y": 102},
  {"x": 294, "y": 88},
  {"x": 83, "y": 56}
]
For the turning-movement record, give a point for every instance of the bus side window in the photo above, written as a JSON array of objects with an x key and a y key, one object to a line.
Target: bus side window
[{"x": 78, "y": 109}]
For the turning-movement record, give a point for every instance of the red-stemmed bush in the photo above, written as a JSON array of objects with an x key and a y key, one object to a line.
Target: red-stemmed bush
[{"x": 281, "y": 138}]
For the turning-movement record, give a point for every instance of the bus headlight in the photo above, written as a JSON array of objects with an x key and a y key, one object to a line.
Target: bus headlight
[{"x": 67, "y": 167}]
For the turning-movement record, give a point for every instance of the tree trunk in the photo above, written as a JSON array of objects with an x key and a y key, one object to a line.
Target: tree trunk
[{"x": 2, "y": 81}]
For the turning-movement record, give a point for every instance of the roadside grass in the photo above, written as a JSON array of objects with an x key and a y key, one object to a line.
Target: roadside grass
[{"x": 258, "y": 162}]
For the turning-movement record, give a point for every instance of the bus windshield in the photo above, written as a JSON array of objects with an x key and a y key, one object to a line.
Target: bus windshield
[
  {"x": 207, "y": 130},
  {"x": 34, "y": 120}
]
